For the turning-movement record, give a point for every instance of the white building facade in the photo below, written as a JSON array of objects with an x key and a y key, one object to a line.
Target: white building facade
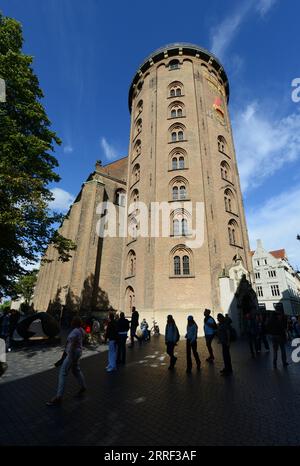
[{"x": 276, "y": 282}]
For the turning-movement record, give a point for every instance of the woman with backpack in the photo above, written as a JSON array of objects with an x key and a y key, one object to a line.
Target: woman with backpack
[
  {"x": 171, "y": 338},
  {"x": 210, "y": 328}
]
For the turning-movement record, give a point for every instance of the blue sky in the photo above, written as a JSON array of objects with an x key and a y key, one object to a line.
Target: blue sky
[{"x": 86, "y": 53}]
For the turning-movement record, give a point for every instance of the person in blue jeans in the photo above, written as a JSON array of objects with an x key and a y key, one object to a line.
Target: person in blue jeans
[
  {"x": 210, "y": 328},
  {"x": 191, "y": 344},
  {"x": 73, "y": 354}
]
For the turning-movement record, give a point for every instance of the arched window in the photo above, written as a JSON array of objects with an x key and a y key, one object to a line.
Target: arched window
[
  {"x": 129, "y": 299},
  {"x": 174, "y": 163},
  {"x": 182, "y": 192},
  {"x": 222, "y": 145},
  {"x": 176, "y": 229},
  {"x": 120, "y": 197},
  {"x": 174, "y": 65},
  {"x": 177, "y": 268},
  {"x": 225, "y": 171},
  {"x": 175, "y": 89},
  {"x": 177, "y": 132},
  {"x": 131, "y": 263},
  {"x": 137, "y": 148},
  {"x": 176, "y": 110},
  {"x": 233, "y": 233},
  {"x": 139, "y": 107},
  {"x": 229, "y": 200},
  {"x": 181, "y": 162},
  {"x": 181, "y": 261},
  {"x": 175, "y": 193},
  {"x": 134, "y": 198},
  {"x": 179, "y": 188},
  {"x": 136, "y": 173},
  {"x": 186, "y": 265},
  {"x": 184, "y": 227},
  {"x": 138, "y": 126},
  {"x": 132, "y": 228}
]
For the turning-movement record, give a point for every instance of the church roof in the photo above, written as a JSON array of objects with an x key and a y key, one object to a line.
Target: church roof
[{"x": 278, "y": 253}]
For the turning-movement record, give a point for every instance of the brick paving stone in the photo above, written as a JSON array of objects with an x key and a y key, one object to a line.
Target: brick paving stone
[{"x": 145, "y": 404}]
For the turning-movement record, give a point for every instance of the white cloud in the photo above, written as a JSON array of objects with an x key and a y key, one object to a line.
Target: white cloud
[
  {"x": 68, "y": 149},
  {"x": 109, "y": 151},
  {"x": 62, "y": 200},
  {"x": 223, "y": 34},
  {"x": 277, "y": 223},
  {"x": 263, "y": 143},
  {"x": 263, "y": 6}
]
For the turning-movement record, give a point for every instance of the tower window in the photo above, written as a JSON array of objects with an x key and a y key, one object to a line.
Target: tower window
[
  {"x": 174, "y": 65},
  {"x": 181, "y": 262},
  {"x": 233, "y": 233},
  {"x": 186, "y": 265},
  {"x": 177, "y": 268}
]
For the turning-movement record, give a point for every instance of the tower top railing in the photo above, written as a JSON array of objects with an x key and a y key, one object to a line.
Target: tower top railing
[{"x": 177, "y": 49}]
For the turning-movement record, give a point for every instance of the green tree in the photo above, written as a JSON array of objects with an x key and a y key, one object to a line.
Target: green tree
[
  {"x": 27, "y": 164},
  {"x": 24, "y": 286}
]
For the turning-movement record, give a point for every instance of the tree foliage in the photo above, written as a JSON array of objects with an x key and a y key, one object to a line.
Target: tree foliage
[
  {"x": 24, "y": 286},
  {"x": 27, "y": 163}
]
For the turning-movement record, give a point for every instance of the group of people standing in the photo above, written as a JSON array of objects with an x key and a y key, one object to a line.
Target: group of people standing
[{"x": 211, "y": 329}]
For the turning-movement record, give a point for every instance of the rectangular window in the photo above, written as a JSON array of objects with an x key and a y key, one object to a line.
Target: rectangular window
[
  {"x": 272, "y": 273},
  {"x": 265, "y": 261},
  {"x": 257, "y": 275},
  {"x": 259, "y": 291},
  {"x": 257, "y": 262},
  {"x": 275, "y": 290}
]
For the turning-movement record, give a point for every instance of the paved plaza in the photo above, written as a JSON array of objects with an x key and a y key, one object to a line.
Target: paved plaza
[{"x": 145, "y": 404}]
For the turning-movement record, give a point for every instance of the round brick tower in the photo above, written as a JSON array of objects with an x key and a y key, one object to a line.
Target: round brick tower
[{"x": 181, "y": 152}]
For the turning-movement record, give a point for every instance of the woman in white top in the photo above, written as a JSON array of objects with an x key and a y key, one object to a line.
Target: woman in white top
[{"x": 71, "y": 361}]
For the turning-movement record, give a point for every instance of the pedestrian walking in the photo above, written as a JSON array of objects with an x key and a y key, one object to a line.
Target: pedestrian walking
[
  {"x": 71, "y": 361},
  {"x": 224, "y": 337},
  {"x": 191, "y": 344},
  {"x": 251, "y": 330},
  {"x": 6, "y": 329},
  {"x": 261, "y": 333},
  {"x": 276, "y": 327},
  {"x": 111, "y": 335},
  {"x": 171, "y": 338},
  {"x": 133, "y": 326},
  {"x": 210, "y": 328},
  {"x": 122, "y": 329}
]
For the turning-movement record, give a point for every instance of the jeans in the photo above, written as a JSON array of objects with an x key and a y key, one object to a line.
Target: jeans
[
  {"x": 189, "y": 347},
  {"x": 133, "y": 335},
  {"x": 70, "y": 362},
  {"x": 278, "y": 341},
  {"x": 121, "y": 357},
  {"x": 112, "y": 355},
  {"x": 226, "y": 358},
  {"x": 209, "y": 339},
  {"x": 170, "y": 351}
]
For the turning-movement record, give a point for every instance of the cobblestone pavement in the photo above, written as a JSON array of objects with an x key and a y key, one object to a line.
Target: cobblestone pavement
[{"x": 145, "y": 404}]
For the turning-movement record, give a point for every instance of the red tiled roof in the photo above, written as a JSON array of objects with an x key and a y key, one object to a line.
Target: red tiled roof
[{"x": 278, "y": 254}]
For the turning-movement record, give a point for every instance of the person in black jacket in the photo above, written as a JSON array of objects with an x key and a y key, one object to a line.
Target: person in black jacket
[
  {"x": 111, "y": 335},
  {"x": 276, "y": 327},
  {"x": 122, "y": 329},
  {"x": 133, "y": 326}
]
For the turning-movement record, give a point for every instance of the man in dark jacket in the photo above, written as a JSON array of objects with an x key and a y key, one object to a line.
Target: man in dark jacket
[
  {"x": 122, "y": 329},
  {"x": 224, "y": 337},
  {"x": 276, "y": 327},
  {"x": 133, "y": 326}
]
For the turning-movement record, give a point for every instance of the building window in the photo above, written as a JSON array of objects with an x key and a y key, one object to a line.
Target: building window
[
  {"x": 175, "y": 89},
  {"x": 259, "y": 291},
  {"x": 225, "y": 171},
  {"x": 178, "y": 159},
  {"x": 176, "y": 110},
  {"x": 272, "y": 273},
  {"x": 181, "y": 262},
  {"x": 137, "y": 148},
  {"x": 222, "y": 145},
  {"x": 174, "y": 136},
  {"x": 177, "y": 132},
  {"x": 131, "y": 263},
  {"x": 233, "y": 233},
  {"x": 181, "y": 162},
  {"x": 265, "y": 262},
  {"x": 180, "y": 135},
  {"x": 257, "y": 275},
  {"x": 258, "y": 262},
  {"x": 182, "y": 192},
  {"x": 177, "y": 269},
  {"x": 175, "y": 193},
  {"x": 174, "y": 163},
  {"x": 120, "y": 197},
  {"x": 178, "y": 187},
  {"x": 229, "y": 200},
  {"x": 139, "y": 107},
  {"x": 138, "y": 126},
  {"x": 136, "y": 173},
  {"x": 275, "y": 290},
  {"x": 174, "y": 65}
]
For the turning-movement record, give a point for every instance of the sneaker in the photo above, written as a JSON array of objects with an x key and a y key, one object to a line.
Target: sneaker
[
  {"x": 110, "y": 369},
  {"x": 54, "y": 402}
]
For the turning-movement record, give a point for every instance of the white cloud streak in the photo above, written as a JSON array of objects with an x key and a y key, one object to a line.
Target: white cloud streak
[
  {"x": 68, "y": 149},
  {"x": 62, "y": 200},
  {"x": 263, "y": 143},
  {"x": 109, "y": 151},
  {"x": 223, "y": 34},
  {"x": 277, "y": 223}
]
